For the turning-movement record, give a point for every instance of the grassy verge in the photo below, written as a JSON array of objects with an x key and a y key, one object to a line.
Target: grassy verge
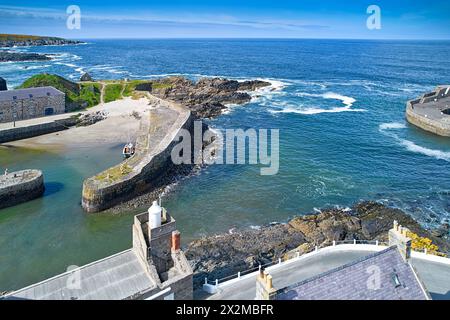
[
  {"x": 130, "y": 86},
  {"x": 114, "y": 173},
  {"x": 112, "y": 92},
  {"x": 90, "y": 92}
]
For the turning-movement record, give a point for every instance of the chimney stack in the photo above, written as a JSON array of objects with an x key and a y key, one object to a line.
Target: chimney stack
[
  {"x": 398, "y": 236},
  {"x": 264, "y": 286}
]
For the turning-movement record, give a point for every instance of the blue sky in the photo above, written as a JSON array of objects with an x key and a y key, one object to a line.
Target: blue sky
[{"x": 400, "y": 19}]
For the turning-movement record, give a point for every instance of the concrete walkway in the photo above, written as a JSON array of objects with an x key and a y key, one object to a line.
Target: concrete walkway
[{"x": 36, "y": 121}]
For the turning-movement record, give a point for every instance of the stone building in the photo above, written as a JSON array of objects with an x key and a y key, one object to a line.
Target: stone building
[
  {"x": 22, "y": 104},
  {"x": 155, "y": 268}
]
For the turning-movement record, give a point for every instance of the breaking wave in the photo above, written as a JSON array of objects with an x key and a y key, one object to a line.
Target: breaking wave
[
  {"x": 346, "y": 100},
  {"x": 410, "y": 145}
]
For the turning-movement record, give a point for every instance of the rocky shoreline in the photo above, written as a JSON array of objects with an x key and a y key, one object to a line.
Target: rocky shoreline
[
  {"x": 26, "y": 41},
  {"x": 14, "y": 40},
  {"x": 224, "y": 255},
  {"x": 208, "y": 97},
  {"x": 7, "y": 56}
]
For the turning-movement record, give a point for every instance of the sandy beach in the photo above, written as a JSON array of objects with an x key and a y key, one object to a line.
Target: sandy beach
[{"x": 120, "y": 126}]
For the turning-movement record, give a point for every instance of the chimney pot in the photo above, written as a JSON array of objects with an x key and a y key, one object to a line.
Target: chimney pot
[
  {"x": 269, "y": 282},
  {"x": 176, "y": 240}
]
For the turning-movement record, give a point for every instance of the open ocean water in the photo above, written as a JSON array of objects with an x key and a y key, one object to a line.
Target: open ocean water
[{"x": 339, "y": 106}]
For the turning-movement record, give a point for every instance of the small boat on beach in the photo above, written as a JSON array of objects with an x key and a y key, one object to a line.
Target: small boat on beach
[{"x": 128, "y": 150}]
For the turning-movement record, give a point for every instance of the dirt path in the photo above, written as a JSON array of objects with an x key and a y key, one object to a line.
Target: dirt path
[
  {"x": 123, "y": 89},
  {"x": 102, "y": 93}
]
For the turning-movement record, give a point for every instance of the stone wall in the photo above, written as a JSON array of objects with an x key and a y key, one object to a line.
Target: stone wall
[
  {"x": 144, "y": 167},
  {"x": 31, "y": 108},
  {"x": 20, "y": 186},
  {"x": 436, "y": 127},
  {"x": 19, "y": 133},
  {"x": 169, "y": 268}
]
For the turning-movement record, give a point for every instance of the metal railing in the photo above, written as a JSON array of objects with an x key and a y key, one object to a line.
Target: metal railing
[{"x": 294, "y": 254}]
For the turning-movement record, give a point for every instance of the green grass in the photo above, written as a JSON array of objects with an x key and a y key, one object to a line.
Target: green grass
[
  {"x": 22, "y": 37},
  {"x": 90, "y": 92},
  {"x": 75, "y": 93},
  {"x": 71, "y": 89},
  {"x": 130, "y": 86},
  {"x": 161, "y": 85},
  {"x": 114, "y": 173},
  {"x": 112, "y": 92}
]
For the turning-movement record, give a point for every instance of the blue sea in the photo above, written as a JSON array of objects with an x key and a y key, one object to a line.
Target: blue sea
[{"x": 338, "y": 104}]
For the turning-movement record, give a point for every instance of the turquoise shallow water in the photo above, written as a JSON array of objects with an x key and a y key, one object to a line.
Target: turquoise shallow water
[{"x": 339, "y": 106}]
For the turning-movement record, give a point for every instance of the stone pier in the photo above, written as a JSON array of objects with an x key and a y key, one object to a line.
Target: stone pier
[
  {"x": 431, "y": 112},
  {"x": 138, "y": 174},
  {"x": 20, "y": 186}
]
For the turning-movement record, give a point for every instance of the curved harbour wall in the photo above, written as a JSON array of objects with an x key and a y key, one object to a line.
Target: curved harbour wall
[
  {"x": 139, "y": 173},
  {"x": 434, "y": 126},
  {"x": 426, "y": 112},
  {"x": 20, "y": 186}
]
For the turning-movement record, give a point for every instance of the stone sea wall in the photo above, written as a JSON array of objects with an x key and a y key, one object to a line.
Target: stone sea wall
[
  {"x": 18, "y": 133},
  {"x": 436, "y": 127},
  {"x": 140, "y": 173},
  {"x": 20, "y": 186}
]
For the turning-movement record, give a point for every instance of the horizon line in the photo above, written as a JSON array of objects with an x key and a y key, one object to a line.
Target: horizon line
[{"x": 255, "y": 38}]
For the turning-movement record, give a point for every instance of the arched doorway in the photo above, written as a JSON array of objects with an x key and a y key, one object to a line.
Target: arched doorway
[{"x": 49, "y": 111}]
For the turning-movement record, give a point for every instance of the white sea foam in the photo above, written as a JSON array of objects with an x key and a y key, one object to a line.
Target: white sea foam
[
  {"x": 346, "y": 100},
  {"x": 108, "y": 68},
  {"x": 438, "y": 154},
  {"x": 392, "y": 125},
  {"x": 36, "y": 67},
  {"x": 410, "y": 145}
]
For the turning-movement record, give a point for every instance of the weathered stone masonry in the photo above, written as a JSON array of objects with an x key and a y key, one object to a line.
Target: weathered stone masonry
[
  {"x": 138, "y": 174},
  {"x": 430, "y": 111},
  {"x": 23, "y": 104},
  {"x": 20, "y": 186}
]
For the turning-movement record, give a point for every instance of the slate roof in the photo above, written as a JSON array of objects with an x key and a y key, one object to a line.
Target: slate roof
[
  {"x": 22, "y": 94},
  {"x": 113, "y": 278},
  {"x": 358, "y": 281}
]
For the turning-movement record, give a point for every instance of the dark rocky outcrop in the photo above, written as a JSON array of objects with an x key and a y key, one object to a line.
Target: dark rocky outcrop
[
  {"x": 91, "y": 118},
  {"x": 146, "y": 86},
  {"x": 207, "y": 110},
  {"x": 6, "y": 56},
  {"x": 207, "y": 97},
  {"x": 224, "y": 255},
  {"x": 252, "y": 85},
  {"x": 86, "y": 77}
]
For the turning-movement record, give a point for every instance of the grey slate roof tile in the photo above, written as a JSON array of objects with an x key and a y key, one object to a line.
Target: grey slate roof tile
[
  {"x": 21, "y": 94},
  {"x": 351, "y": 281}
]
